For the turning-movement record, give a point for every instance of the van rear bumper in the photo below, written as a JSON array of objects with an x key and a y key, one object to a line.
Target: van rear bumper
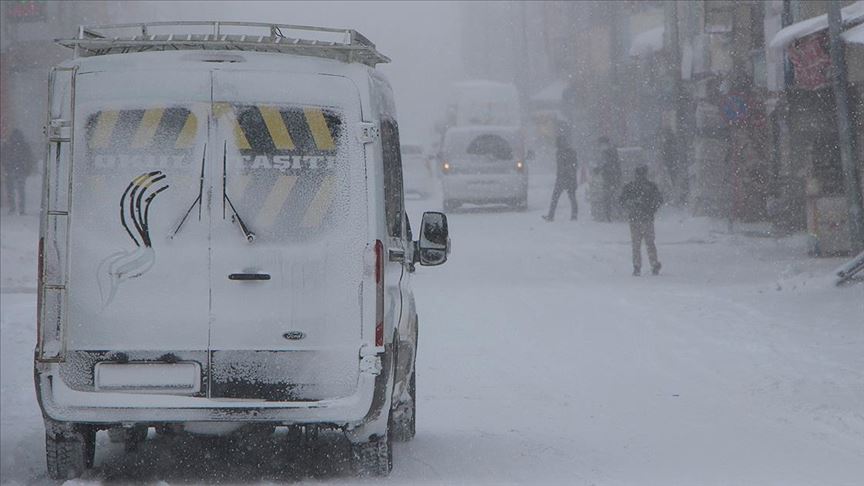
[
  {"x": 480, "y": 188},
  {"x": 61, "y": 403}
]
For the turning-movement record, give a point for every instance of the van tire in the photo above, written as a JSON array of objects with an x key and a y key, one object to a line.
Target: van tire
[
  {"x": 405, "y": 422},
  {"x": 70, "y": 452}
]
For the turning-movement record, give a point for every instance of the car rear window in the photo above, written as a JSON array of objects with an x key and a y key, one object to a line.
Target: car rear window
[{"x": 490, "y": 145}]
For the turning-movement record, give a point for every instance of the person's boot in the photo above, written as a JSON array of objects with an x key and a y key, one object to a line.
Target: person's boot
[
  {"x": 655, "y": 269},
  {"x": 637, "y": 272},
  {"x": 548, "y": 217}
]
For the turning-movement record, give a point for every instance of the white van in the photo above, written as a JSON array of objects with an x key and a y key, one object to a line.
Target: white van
[
  {"x": 484, "y": 165},
  {"x": 224, "y": 240}
]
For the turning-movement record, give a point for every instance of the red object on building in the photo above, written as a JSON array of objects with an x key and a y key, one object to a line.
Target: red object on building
[
  {"x": 811, "y": 61},
  {"x": 5, "y": 114},
  {"x": 25, "y": 10}
]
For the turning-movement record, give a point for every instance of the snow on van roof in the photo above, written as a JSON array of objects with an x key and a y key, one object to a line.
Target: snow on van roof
[
  {"x": 346, "y": 45},
  {"x": 162, "y": 61}
]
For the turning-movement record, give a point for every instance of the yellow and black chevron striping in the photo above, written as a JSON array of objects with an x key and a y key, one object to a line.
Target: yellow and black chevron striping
[
  {"x": 299, "y": 192},
  {"x": 160, "y": 130},
  {"x": 264, "y": 129},
  {"x": 258, "y": 129}
]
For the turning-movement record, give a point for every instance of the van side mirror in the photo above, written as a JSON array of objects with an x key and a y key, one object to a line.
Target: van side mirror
[{"x": 434, "y": 244}]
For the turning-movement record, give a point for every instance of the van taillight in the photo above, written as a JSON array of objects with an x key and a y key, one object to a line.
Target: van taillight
[{"x": 379, "y": 293}]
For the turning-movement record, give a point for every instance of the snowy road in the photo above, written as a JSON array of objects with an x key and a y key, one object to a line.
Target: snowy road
[{"x": 543, "y": 361}]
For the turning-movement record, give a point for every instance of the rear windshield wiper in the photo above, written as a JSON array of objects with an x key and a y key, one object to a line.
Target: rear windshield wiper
[
  {"x": 197, "y": 199},
  {"x": 250, "y": 236}
]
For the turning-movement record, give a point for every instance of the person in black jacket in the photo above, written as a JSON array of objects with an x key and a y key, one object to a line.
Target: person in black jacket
[
  {"x": 565, "y": 179},
  {"x": 17, "y": 163},
  {"x": 641, "y": 199}
]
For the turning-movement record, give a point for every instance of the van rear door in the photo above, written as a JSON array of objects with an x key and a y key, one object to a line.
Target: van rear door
[
  {"x": 134, "y": 293},
  {"x": 288, "y": 237}
]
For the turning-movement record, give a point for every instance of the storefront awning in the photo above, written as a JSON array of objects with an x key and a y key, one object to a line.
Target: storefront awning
[
  {"x": 855, "y": 35},
  {"x": 850, "y": 15}
]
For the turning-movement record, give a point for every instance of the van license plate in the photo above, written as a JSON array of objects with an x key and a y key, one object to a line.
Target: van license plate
[{"x": 148, "y": 377}]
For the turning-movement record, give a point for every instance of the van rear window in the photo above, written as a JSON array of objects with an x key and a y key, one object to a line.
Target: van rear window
[
  {"x": 284, "y": 166},
  {"x": 154, "y": 138}
]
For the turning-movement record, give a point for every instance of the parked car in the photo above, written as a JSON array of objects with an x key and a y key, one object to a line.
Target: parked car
[
  {"x": 224, "y": 242},
  {"x": 484, "y": 165},
  {"x": 417, "y": 171}
]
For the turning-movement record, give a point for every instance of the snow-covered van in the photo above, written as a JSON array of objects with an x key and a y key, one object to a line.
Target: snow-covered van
[{"x": 224, "y": 242}]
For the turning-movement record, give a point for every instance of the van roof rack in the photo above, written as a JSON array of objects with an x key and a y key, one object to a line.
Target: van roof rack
[{"x": 345, "y": 45}]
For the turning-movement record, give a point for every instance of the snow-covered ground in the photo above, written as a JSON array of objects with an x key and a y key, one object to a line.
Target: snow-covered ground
[{"x": 543, "y": 361}]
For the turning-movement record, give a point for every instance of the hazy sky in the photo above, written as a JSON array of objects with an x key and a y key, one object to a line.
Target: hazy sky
[{"x": 421, "y": 38}]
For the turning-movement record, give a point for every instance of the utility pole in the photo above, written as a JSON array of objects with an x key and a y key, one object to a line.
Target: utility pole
[
  {"x": 851, "y": 176},
  {"x": 679, "y": 186}
]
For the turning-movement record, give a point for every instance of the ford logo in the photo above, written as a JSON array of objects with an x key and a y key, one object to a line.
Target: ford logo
[{"x": 294, "y": 335}]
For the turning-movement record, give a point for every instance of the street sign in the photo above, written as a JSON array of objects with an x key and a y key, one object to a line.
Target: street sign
[{"x": 734, "y": 108}]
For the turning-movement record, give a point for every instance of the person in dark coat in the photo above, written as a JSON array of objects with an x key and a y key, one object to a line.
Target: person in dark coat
[
  {"x": 17, "y": 164},
  {"x": 565, "y": 179},
  {"x": 641, "y": 199},
  {"x": 610, "y": 172}
]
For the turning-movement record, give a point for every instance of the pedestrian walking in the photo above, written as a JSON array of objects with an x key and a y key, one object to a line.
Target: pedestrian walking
[
  {"x": 641, "y": 199},
  {"x": 17, "y": 164},
  {"x": 610, "y": 172},
  {"x": 566, "y": 179}
]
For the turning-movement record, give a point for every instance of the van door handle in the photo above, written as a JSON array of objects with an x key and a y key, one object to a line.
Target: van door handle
[{"x": 249, "y": 276}]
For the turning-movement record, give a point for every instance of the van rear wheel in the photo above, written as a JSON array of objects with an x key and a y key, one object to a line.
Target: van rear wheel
[{"x": 69, "y": 450}]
